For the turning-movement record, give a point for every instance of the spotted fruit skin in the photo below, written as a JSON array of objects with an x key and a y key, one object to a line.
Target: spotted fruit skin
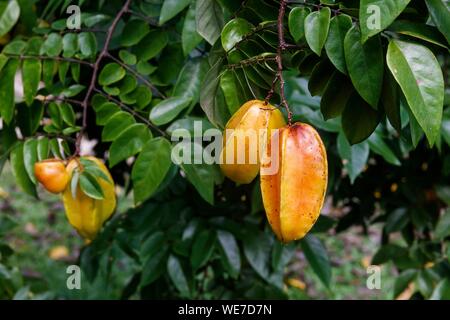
[
  {"x": 254, "y": 116},
  {"x": 52, "y": 174},
  {"x": 293, "y": 196},
  {"x": 85, "y": 214}
]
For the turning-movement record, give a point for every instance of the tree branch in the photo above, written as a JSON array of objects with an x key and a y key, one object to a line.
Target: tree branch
[
  {"x": 279, "y": 75},
  {"x": 96, "y": 67}
]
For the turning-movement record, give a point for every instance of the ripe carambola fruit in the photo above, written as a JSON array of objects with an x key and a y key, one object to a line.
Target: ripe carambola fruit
[
  {"x": 85, "y": 214},
  {"x": 293, "y": 195},
  {"x": 51, "y": 173},
  {"x": 250, "y": 127}
]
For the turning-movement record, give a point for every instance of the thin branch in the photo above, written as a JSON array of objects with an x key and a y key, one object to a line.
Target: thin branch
[
  {"x": 250, "y": 61},
  {"x": 149, "y": 20},
  {"x": 282, "y": 46},
  {"x": 137, "y": 75},
  {"x": 47, "y": 99},
  {"x": 96, "y": 67},
  {"x": 40, "y": 57},
  {"x": 130, "y": 110}
]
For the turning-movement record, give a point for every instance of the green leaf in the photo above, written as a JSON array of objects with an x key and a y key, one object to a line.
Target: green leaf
[
  {"x": 143, "y": 96},
  {"x": 230, "y": 254},
  {"x": 74, "y": 183},
  {"x": 168, "y": 109},
  {"x": 257, "y": 247},
  {"x": 334, "y": 46},
  {"x": 234, "y": 31},
  {"x": 320, "y": 75},
  {"x": 420, "y": 31},
  {"x": 377, "y": 15},
  {"x": 317, "y": 256},
  {"x": 424, "y": 282},
  {"x": 202, "y": 248},
  {"x": 48, "y": 72},
  {"x": 442, "y": 290},
  {"x": 70, "y": 44},
  {"x": 90, "y": 186},
  {"x": 7, "y": 104},
  {"x": 154, "y": 266},
  {"x": 189, "y": 35},
  {"x": 377, "y": 145},
  {"x": 30, "y": 157},
  {"x": 31, "y": 75},
  {"x": 402, "y": 281},
  {"x": 42, "y": 148},
  {"x": 317, "y": 25},
  {"x": 133, "y": 32},
  {"x": 19, "y": 170},
  {"x": 396, "y": 220},
  {"x": 105, "y": 111},
  {"x": 190, "y": 80},
  {"x": 117, "y": 124},
  {"x": 171, "y": 8},
  {"x": 110, "y": 74},
  {"x": 151, "y": 45},
  {"x": 365, "y": 65},
  {"x": 129, "y": 143},
  {"x": 443, "y": 226},
  {"x": 87, "y": 44},
  {"x": 297, "y": 18},
  {"x": 440, "y": 13},
  {"x": 67, "y": 113},
  {"x": 419, "y": 75},
  {"x": 177, "y": 275},
  {"x": 354, "y": 157},
  {"x": 152, "y": 245},
  {"x": 29, "y": 118},
  {"x": 9, "y": 15},
  {"x": 63, "y": 67},
  {"x": 212, "y": 100},
  {"x": 127, "y": 57},
  {"x": 73, "y": 90},
  {"x": 209, "y": 20},
  {"x": 53, "y": 45},
  {"x": 390, "y": 100},
  {"x": 336, "y": 95},
  {"x": 359, "y": 120},
  {"x": 150, "y": 168}
]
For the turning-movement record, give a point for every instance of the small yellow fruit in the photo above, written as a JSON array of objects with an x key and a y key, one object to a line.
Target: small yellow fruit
[
  {"x": 245, "y": 138},
  {"x": 294, "y": 193},
  {"x": 58, "y": 253},
  {"x": 52, "y": 175},
  {"x": 85, "y": 214}
]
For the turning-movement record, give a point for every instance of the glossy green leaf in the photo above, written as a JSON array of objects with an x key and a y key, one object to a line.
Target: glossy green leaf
[
  {"x": 420, "y": 77},
  {"x": 129, "y": 143},
  {"x": 334, "y": 46},
  {"x": 320, "y": 75},
  {"x": 42, "y": 148},
  {"x": 117, "y": 124},
  {"x": 177, "y": 275},
  {"x": 440, "y": 13},
  {"x": 390, "y": 100},
  {"x": 380, "y": 147},
  {"x": 354, "y": 157},
  {"x": 7, "y": 104},
  {"x": 336, "y": 95},
  {"x": 209, "y": 19},
  {"x": 297, "y": 18},
  {"x": 359, "y": 120},
  {"x": 317, "y": 25},
  {"x": 202, "y": 248},
  {"x": 150, "y": 168},
  {"x": 365, "y": 65},
  {"x": 105, "y": 111},
  {"x": 9, "y": 15},
  {"x": 377, "y": 15},
  {"x": 317, "y": 256},
  {"x": 190, "y": 80},
  {"x": 168, "y": 109},
  {"x": 257, "y": 247},
  {"x": 31, "y": 75},
  {"x": 171, "y": 8},
  {"x": 230, "y": 254},
  {"x": 154, "y": 266},
  {"x": 133, "y": 32},
  {"x": 234, "y": 31},
  {"x": 70, "y": 44},
  {"x": 90, "y": 186},
  {"x": 151, "y": 45},
  {"x": 402, "y": 281},
  {"x": 110, "y": 74},
  {"x": 442, "y": 290},
  {"x": 87, "y": 44},
  {"x": 127, "y": 57},
  {"x": 19, "y": 170},
  {"x": 30, "y": 157},
  {"x": 419, "y": 31},
  {"x": 190, "y": 38},
  {"x": 443, "y": 226},
  {"x": 53, "y": 45}
]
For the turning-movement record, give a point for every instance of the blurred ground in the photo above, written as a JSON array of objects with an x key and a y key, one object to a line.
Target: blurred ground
[{"x": 44, "y": 243}]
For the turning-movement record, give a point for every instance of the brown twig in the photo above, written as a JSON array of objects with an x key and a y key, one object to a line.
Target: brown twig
[
  {"x": 137, "y": 75},
  {"x": 96, "y": 66},
  {"x": 279, "y": 75},
  {"x": 130, "y": 110}
]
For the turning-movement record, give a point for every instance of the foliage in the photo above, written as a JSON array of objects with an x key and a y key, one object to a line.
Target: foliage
[{"x": 132, "y": 75}]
